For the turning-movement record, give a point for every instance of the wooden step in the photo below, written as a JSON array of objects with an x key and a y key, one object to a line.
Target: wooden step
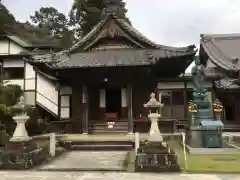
[
  {"x": 120, "y": 127},
  {"x": 98, "y": 145}
]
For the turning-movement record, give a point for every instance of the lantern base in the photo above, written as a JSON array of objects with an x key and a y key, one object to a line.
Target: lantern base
[
  {"x": 156, "y": 157},
  {"x": 21, "y": 146}
]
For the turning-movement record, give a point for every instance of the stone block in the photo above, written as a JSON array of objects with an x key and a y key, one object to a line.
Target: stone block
[
  {"x": 194, "y": 136},
  {"x": 156, "y": 157}
]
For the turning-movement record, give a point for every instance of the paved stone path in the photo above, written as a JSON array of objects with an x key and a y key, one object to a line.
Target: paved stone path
[
  {"x": 28, "y": 175},
  {"x": 88, "y": 160}
]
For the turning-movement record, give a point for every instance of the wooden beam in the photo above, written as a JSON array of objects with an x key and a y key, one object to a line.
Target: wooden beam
[
  {"x": 185, "y": 100},
  {"x": 85, "y": 109},
  {"x": 130, "y": 110}
]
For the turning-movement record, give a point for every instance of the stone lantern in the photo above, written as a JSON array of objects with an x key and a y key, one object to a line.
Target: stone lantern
[
  {"x": 20, "y": 139},
  {"x": 20, "y": 134},
  {"x": 155, "y": 155},
  {"x": 154, "y": 114}
]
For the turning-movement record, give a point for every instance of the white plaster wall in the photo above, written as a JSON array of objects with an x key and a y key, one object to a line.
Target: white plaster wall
[
  {"x": 4, "y": 44},
  {"x": 13, "y": 63},
  {"x": 170, "y": 85},
  {"x": 65, "y": 112},
  {"x": 65, "y": 101},
  {"x": 14, "y": 81},
  {"x": 15, "y": 48},
  {"x": 30, "y": 97},
  {"x": 10, "y": 48},
  {"x": 29, "y": 77},
  {"x": 47, "y": 95}
]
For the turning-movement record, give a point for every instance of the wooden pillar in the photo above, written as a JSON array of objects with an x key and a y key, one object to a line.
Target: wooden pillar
[
  {"x": 124, "y": 100},
  {"x": 2, "y": 73},
  {"x": 85, "y": 110},
  {"x": 130, "y": 110},
  {"x": 102, "y": 102},
  {"x": 185, "y": 100}
]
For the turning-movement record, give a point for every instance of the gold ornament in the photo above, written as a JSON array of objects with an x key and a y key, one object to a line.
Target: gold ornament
[
  {"x": 192, "y": 106},
  {"x": 217, "y": 106}
]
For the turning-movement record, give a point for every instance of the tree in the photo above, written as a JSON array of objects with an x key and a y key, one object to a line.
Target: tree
[
  {"x": 55, "y": 22},
  {"x": 85, "y": 14},
  {"x": 9, "y": 96},
  {"x": 6, "y": 18},
  {"x": 50, "y": 18}
]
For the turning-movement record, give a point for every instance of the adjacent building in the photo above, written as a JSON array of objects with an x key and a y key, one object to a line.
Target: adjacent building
[
  {"x": 13, "y": 51},
  {"x": 220, "y": 54}
]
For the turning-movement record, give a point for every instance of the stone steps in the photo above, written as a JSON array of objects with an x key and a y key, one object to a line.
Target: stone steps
[
  {"x": 87, "y": 161},
  {"x": 97, "y": 145}
]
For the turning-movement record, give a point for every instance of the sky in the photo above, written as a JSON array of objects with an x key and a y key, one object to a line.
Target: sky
[{"x": 167, "y": 22}]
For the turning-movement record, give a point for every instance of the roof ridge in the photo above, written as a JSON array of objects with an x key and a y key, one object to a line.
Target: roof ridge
[{"x": 132, "y": 31}]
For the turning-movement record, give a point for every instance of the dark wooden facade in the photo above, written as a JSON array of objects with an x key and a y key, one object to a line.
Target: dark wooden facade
[{"x": 114, "y": 57}]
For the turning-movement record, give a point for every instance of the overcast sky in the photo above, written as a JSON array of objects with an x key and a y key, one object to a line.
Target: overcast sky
[{"x": 168, "y": 22}]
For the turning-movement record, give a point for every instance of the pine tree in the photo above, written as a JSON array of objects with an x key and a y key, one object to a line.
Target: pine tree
[{"x": 85, "y": 14}]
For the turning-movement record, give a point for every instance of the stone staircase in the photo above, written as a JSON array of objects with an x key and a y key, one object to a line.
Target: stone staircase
[
  {"x": 78, "y": 145},
  {"x": 119, "y": 127},
  {"x": 87, "y": 161}
]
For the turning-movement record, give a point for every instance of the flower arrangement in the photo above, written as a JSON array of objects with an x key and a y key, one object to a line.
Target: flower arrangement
[
  {"x": 217, "y": 106},
  {"x": 192, "y": 107},
  {"x": 139, "y": 117}
]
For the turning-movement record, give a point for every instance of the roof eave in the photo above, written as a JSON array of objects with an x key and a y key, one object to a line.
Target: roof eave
[{"x": 215, "y": 60}]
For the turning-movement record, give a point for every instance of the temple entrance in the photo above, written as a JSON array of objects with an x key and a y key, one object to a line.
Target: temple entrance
[
  {"x": 113, "y": 101},
  {"x": 229, "y": 117}
]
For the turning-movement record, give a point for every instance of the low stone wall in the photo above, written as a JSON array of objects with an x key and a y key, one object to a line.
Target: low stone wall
[
  {"x": 40, "y": 149},
  {"x": 27, "y": 159}
]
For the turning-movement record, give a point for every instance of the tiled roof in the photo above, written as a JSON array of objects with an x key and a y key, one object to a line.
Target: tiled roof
[
  {"x": 227, "y": 83},
  {"x": 73, "y": 58},
  {"x": 128, "y": 28},
  {"x": 211, "y": 71},
  {"x": 109, "y": 58},
  {"x": 223, "y": 50}
]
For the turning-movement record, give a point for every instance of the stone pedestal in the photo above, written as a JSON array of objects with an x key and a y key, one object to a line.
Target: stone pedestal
[
  {"x": 194, "y": 136},
  {"x": 20, "y": 134},
  {"x": 154, "y": 133},
  {"x": 206, "y": 135},
  {"x": 156, "y": 157},
  {"x": 20, "y": 140}
]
